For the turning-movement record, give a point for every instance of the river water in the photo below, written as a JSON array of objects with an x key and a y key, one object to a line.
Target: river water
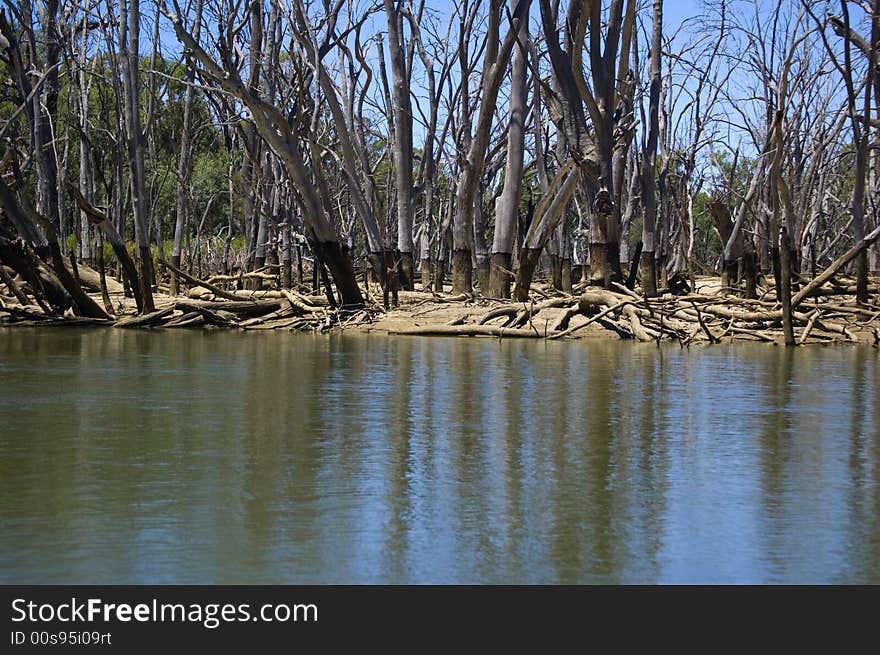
[{"x": 191, "y": 457}]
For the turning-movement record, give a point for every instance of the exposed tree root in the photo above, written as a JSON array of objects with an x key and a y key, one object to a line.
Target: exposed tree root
[{"x": 825, "y": 317}]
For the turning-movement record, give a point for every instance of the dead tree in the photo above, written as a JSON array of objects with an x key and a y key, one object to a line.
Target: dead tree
[
  {"x": 129, "y": 45},
  {"x": 183, "y": 166},
  {"x": 649, "y": 158},
  {"x": 401, "y": 115},
  {"x": 495, "y": 62},
  {"x": 273, "y": 126},
  {"x": 507, "y": 206}
]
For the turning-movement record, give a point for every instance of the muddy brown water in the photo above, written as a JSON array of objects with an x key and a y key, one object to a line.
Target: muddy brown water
[{"x": 190, "y": 457}]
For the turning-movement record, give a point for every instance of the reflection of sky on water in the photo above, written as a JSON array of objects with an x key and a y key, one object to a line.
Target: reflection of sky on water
[{"x": 189, "y": 457}]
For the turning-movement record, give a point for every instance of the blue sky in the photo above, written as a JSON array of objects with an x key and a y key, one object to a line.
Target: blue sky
[{"x": 675, "y": 13}]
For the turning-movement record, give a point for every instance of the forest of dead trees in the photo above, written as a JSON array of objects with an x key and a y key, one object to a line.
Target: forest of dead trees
[{"x": 271, "y": 158}]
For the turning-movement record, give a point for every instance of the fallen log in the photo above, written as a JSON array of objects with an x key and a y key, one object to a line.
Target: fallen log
[
  {"x": 184, "y": 320},
  {"x": 525, "y": 314},
  {"x": 22, "y": 213},
  {"x": 220, "y": 318},
  {"x": 421, "y": 296},
  {"x": 301, "y": 303},
  {"x": 507, "y": 312},
  {"x": 637, "y": 328},
  {"x": 24, "y": 313},
  {"x": 835, "y": 266},
  {"x": 153, "y": 319},
  {"x": 283, "y": 313},
  {"x": 833, "y": 290},
  {"x": 589, "y": 300},
  {"x": 468, "y": 331},
  {"x": 239, "y": 308},
  {"x": 117, "y": 242},
  {"x": 592, "y": 319},
  {"x": 13, "y": 286},
  {"x": 275, "y": 324},
  {"x": 809, "y": 328},
  {"x": 217, "y": 291},
  {"x": 91, "y": 279},
  {"x": 255, "y": 275},
  {"x": 60, "y": 321}
]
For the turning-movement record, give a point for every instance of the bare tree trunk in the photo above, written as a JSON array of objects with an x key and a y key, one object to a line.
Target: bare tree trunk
[
  {"x": 129, "y": 26},
  {"x": 402, "y": 146},
  {"x": 481, "y": 247},
  {"x": 861, "y": 137},
  {"x": 494, "y": 67},
  {"x": 507, "y": 205},
  {"x": 183, "y": 165},
  {"x": 82, "y": 304},
  {"x": 106, "y": 227},
  {"x": 443, "y": 238},
  {"x": 785, "y": 290},
  {"x": 649, "y": 157},
  {"x": 548, "y": 214},
  {"x": 274, "y": 127}
]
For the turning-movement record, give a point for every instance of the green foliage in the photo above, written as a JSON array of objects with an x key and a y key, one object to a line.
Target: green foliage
[
  {"x": 209, "y": 180},
  {"x": 707, "y": 243},
  {"x": 729, "y": 182},
  {"x": 237, "y": 245}
]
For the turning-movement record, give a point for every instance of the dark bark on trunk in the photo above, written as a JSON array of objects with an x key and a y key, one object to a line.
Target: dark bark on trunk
[
  {"x": 565, "y": 268},
  {"x": 26, "y": 215},
  {"x": 634, "y": 267},
  {"x": 387, "y": 264},
  {"x": 556, "y": 271},
  {"x": 528, "y": 261},
  {"x": 600, "y": 268},
  {"x": 14, "y": 289},
  {"x": 785, "y": 288},
  {"x": 407, "y": 271},
  {"x": 777, "y": 273},
  {"x": 499, "y": 276},
  {"x": 116, "y": 242},
  {"x": 750, "y": 274},
  {"x": 439, "y": 275},
  {"x": 462, "y": 272},
  {"x": 43, "y": 282},
  {"x": 338, "y": 262},
  {"x": 648, "y": 270},
  {"x": 426, "y": 275},
  {"x": 99, "y": 255},
  {"x": 147, "y": 277},
  {"x": 175, "y": 282},
  {"x": 861, "y": 271},
  {"x": 613, "y": 250},
  {"x": 663, "y": 271},
  {"x": 730, "y": 275},
  {"x": 286, "y": 257},
  {"x": 482, "y": 273}
]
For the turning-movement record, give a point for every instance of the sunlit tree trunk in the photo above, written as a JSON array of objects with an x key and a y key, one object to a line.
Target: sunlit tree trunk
[
  {"x": 183, "y": 164},
  {"x": 507, "y": 206},
  {"x": 129, "y": 26}
]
